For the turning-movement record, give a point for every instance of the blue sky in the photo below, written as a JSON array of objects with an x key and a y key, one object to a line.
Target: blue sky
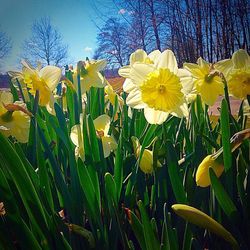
[{"x": 74, "y": 19}]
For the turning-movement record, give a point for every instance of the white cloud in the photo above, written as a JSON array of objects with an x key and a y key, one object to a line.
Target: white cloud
[
  {"x": 88, "y": 49},
  {"x": 122, "y": 11}
]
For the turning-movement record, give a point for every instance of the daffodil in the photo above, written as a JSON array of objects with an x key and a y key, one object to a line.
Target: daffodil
[
  {"x": 146, "y": 162},
  {"x": 139, "y": 56},
  {"x": 207, "y": 83},
  {"x": 102, "y": 124},
  {"x": 89, "y": 73},
  {"x": 43, "y": 80},
  {"x": 76, "y": 136},
  {"x": 111, "y": 95},
  {"x": 237, "y": 73},
  {"x": 14, "y": 118},
  {"x": 202, "y": 175},
  {"x": 158, "y": 88}
]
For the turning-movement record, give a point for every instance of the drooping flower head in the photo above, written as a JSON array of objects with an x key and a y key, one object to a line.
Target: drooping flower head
[
  {"x": 89, "y": 73},
  {"x": 202, "y": 175},
  {"x": 102, "y": 124},
  {"x": 158, "y": 88},
  {"x": 14, "y": 118},
  {"x": 207, "y": 83},
  {"x": 146, "y": 162},
  {"x": 237, "y": 73}
]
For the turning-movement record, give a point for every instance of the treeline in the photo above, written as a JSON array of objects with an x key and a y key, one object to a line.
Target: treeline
[{"x": 212, "y": 29}]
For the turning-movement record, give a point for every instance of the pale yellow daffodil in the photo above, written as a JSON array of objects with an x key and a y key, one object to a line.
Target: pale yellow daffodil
[
  {"x": 102, "y": 125},
  {"x": 237, "y": 73},
  {"x": 159, "y": 88},
  {"x": 146, "y": 162},
  {"x": 89, "y": 73},
  {"x": 14, "y": 118},
  {"x": 76, "y": 136},
  {"x": 207, "y": 83},
  {"x": 43, "y": 80}
]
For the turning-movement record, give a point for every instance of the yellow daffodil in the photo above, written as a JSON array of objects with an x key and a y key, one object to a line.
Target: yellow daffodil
[
  {"x": 215, "y": 161},
  {"x": 139, "y": 56},
  {"x": 76, "y": 137},
  {"x": 14, "y": 118},
  {"x": 89, "y": 73},
  {"x": 146, "y": 163},
  {"x": 111, "y": 95},
  {"x": 237, "y": 73},
  {"x": 207, "y": 83},
  {"x": 197, "y": 217},
  {"x": 158, "y": 88},
  {"x": 102, "y": 124},
  {"x": 43, "y": 80},
  {"x": 202, "y": 175}
]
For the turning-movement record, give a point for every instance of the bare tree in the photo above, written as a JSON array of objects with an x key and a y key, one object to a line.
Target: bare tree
[
  {"x": 113, "y": 43},
  {"x": 46, "y": 44},
  {"x": 5, "y": 45}
]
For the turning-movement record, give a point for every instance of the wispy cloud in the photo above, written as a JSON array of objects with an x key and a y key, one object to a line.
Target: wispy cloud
[
  {"x": 88, "y": 49},
  {"x": 122, "y": 11}
]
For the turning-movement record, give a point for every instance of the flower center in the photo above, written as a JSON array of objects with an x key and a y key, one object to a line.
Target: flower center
[
  {"x": 162, "y": 90},
  {"x": 100, "y": 133}
]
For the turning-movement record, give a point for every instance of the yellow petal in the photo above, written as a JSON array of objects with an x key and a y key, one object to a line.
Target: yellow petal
[
  {"x": 224, "y": 66},
  {"x": 186, "y": 81},
  {"x": 102, "y": 123},
  {"x": 155, "y": 116},
  {"x": 146, "y": 163},
  {"x": 109, "y": 144},
  {"x": 167, "y": 60},
  {"x": 201, "y": 219},
  {"x": 51, "y": 75},
  {"x": 5, "y": 97},
  {"x": 202, "y": 175},
  {"x": 100, "y": 64}
]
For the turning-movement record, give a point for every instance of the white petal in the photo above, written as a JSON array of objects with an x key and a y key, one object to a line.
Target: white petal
[
  {"x": 51, "y": 75},
  {"x": 240, "y": 59},
  {"x": 124, "y": 71},
  {"x": 186, "y": 81},
  {"x": 139, "y": 72},
  {"x": 167, "y": 60},
  {"x": 74, "y": 134},
  {"x": 154, "y": 55},
  {"x": 134, "y": 99},
  {"x": 138, "y": 56},
  {"x": 128, "y": 85},
  {"x": 181, "y": 111},
  {"x": 102, "y": 123},
  {"x": 224, "y": 66},
  {"x": 155, "y": 116}
]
